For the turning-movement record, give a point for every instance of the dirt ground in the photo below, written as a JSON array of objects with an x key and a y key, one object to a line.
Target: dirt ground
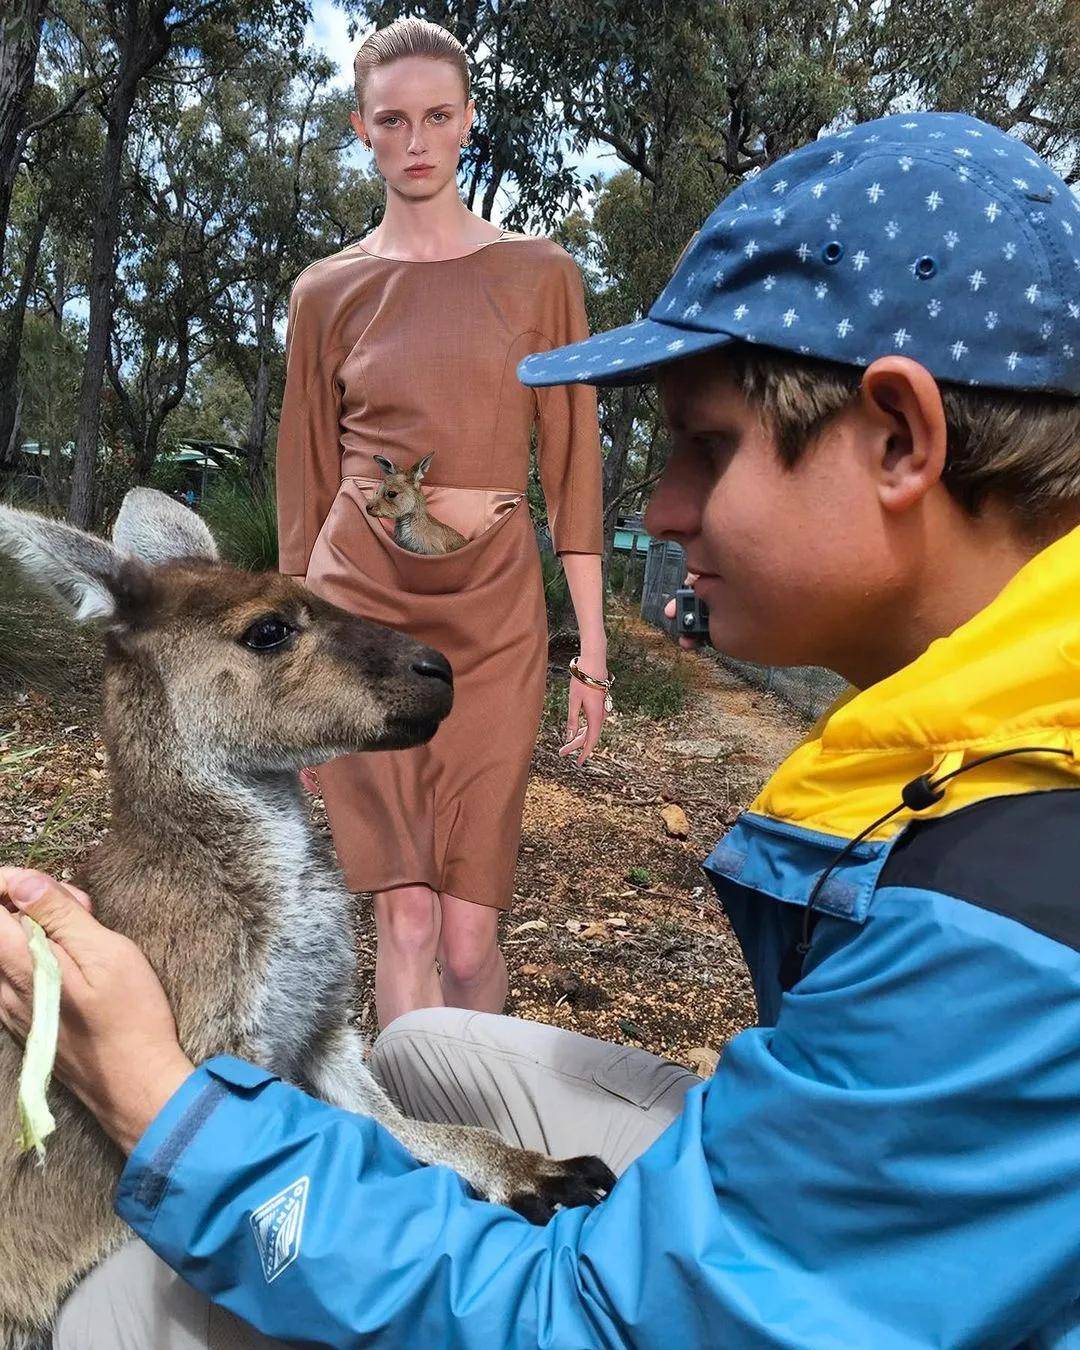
[{"x": 613, "y": 931}]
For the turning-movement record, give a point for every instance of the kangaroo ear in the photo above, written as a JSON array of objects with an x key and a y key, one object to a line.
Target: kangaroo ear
[
  {"x": 384, "y": 464},
  {"x": 422, "y": 467},
  {"x": 156, "y": 529},
  {"x": 77, "y": 569}
]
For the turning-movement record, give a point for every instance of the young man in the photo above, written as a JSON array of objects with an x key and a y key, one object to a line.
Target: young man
[{"x": 868, "y": 360}]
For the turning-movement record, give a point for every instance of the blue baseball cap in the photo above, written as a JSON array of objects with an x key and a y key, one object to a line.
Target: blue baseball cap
[{"x": 931, "y": 234}]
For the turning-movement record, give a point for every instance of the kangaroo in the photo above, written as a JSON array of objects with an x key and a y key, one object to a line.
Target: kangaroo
[
  {"x": 398, "y": 498},
  {"x": 218, "y": 686}
]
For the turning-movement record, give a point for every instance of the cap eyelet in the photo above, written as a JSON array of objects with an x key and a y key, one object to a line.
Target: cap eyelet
[
  {"x": 833, "y": 251},
  {"x": 925, "y": 267}
]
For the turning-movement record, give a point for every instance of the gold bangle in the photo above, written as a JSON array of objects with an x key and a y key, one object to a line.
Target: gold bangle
[{"x": 590, "y": 680}]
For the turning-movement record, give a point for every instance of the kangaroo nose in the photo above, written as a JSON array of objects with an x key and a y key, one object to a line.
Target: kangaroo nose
[{"x": 436, "y": 665}]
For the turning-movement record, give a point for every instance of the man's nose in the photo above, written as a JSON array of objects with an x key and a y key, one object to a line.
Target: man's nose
[{"x": 674, "y": 510}]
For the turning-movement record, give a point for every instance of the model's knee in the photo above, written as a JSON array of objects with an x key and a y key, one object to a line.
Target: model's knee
[
  {"x": 469, "y": 957},
  {"x": 407, "y": 920}
]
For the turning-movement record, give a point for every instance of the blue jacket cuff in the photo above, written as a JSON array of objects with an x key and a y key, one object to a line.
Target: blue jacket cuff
[{"x": 145, "y": 1177}]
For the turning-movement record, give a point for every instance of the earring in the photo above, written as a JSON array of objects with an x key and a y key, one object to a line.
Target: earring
[
  {"x": 366, "y": 141},
  {"x": 466, "y": 139}
]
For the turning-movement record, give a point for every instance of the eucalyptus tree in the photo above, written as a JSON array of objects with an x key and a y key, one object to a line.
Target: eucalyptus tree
[
  {"x": 125, "y": 43},
  {"x": 174, "y": 263}
]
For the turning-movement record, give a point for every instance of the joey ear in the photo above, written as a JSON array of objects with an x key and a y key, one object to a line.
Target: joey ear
[
  {"x": 156, "y": 529},
  {"x": 77, "y": 569},
  {"x": 384, "y": 464},
  {"x": 421, "y": 468}
]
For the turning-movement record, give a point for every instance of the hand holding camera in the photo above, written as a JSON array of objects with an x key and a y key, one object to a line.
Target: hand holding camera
[{"x": 689, "y": 614}]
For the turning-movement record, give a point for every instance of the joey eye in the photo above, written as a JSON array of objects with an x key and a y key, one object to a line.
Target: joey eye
[
  {"x": 391, "y": 495},
  {"x": 267, "y": 634}
]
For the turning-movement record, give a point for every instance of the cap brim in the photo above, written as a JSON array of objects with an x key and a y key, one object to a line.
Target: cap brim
[{"x": 627, "y": 355}]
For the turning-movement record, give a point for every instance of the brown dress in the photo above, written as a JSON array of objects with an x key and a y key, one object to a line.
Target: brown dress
[{"x": 400, "y": 359}]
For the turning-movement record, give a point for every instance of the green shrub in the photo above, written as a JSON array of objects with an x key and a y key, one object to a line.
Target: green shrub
[
  {"x": 556, "y": 593},
  {"x": 243, "y": 521},
  {"x": 645, "y": 684}
]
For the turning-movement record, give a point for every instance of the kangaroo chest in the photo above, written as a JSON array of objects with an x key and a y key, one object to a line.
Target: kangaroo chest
[{"x": 304, "y": 966}]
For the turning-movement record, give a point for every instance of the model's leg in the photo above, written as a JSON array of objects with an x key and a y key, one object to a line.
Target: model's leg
[
  {"x": 407, "y": 922},
  {"x": 473, "y": 967}
]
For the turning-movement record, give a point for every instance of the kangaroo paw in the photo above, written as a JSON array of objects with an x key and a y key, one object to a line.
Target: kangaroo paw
[{"x": 538, "y": 1186}]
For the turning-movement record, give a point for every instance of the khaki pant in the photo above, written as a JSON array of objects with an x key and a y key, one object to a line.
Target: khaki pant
[{"x": 535, "y": 1085}]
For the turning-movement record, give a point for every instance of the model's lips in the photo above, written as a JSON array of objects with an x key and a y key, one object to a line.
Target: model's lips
[{"x": 420, "y": 168}]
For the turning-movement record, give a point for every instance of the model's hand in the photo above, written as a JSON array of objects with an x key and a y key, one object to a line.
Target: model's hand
[
  {"x": 117, "y": 1051},
  {"x": 689, "y": 643},
  {"x": 580, "y": 739}
]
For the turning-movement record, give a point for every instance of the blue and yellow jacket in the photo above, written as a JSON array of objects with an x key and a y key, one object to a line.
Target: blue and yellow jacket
[{"x": 890, "y": 1159}]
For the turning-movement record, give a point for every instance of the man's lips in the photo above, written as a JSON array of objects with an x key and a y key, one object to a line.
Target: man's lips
[{"x": 419, "y": 168}]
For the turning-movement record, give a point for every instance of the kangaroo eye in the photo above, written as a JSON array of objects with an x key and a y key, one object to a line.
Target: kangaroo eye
[
  {"x": 268, "y": 633},
  {"x": 391, "y": 495}
]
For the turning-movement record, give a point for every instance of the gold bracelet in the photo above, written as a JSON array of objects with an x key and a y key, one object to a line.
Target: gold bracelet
[{"x": 590, "y": 680}]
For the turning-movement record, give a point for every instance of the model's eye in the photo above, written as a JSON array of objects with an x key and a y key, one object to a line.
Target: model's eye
[
  {"x": 391, "y": 495},
  {"x": 445, "y": 117},
  {"x": 267, "y": 634}
]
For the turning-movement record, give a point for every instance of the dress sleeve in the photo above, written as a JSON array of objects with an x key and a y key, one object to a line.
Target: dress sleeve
[
  {"x": 309, "y": 453},
  {"x": 568, "y": 445}
]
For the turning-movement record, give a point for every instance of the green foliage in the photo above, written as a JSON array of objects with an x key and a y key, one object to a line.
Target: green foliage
[
  {"x": 243, "y": 520},
  {"x": 556, "y": 593},
  {"x": 639, "y": 876},
  {"x": 647, "y": 683}
]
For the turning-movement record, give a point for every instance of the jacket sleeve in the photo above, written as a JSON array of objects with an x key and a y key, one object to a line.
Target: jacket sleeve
[
  {"x": 308, "y": 468},
  {"x": 887, "y": 1166},
  {"x": 568, "y": 442}
]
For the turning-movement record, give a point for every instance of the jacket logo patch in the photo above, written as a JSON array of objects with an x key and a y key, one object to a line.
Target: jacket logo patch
[{"x": 278, "y": 1226}]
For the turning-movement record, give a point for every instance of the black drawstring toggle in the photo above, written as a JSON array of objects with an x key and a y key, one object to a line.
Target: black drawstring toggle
[{"x": 921, "y": 792}]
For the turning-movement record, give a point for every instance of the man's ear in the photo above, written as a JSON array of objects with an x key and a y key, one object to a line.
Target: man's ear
[{"x": 903, "y": 399}]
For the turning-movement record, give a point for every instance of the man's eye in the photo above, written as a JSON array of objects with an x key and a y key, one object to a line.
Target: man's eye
[{"x": 266, "y": 634}]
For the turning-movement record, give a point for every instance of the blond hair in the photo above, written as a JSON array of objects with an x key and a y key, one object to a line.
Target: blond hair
[
  {"x": 408, "y": 37},
  {"x": 1020, "y": 448}
]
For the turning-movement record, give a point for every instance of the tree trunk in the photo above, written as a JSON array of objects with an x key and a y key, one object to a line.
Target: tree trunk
[
  {"x": 143, "y": 44},
  {"x": 10, "y": 401},
  {"x": 255, "y": 445},
  {"x": 20, "y": 36}
]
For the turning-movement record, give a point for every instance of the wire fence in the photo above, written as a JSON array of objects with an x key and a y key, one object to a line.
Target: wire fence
[{"x": 808, "y": 688}]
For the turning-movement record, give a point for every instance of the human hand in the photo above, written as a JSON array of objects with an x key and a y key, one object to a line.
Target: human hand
[
  {"x": 123, "y": 1068},
  {"x": 689, "y": 644},
  {"x": 583, "y": 732}
]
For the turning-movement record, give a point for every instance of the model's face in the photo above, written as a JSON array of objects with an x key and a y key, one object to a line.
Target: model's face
[
  {"x": 415, "y": 115},
  {"x": 795, "y": 564}
]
